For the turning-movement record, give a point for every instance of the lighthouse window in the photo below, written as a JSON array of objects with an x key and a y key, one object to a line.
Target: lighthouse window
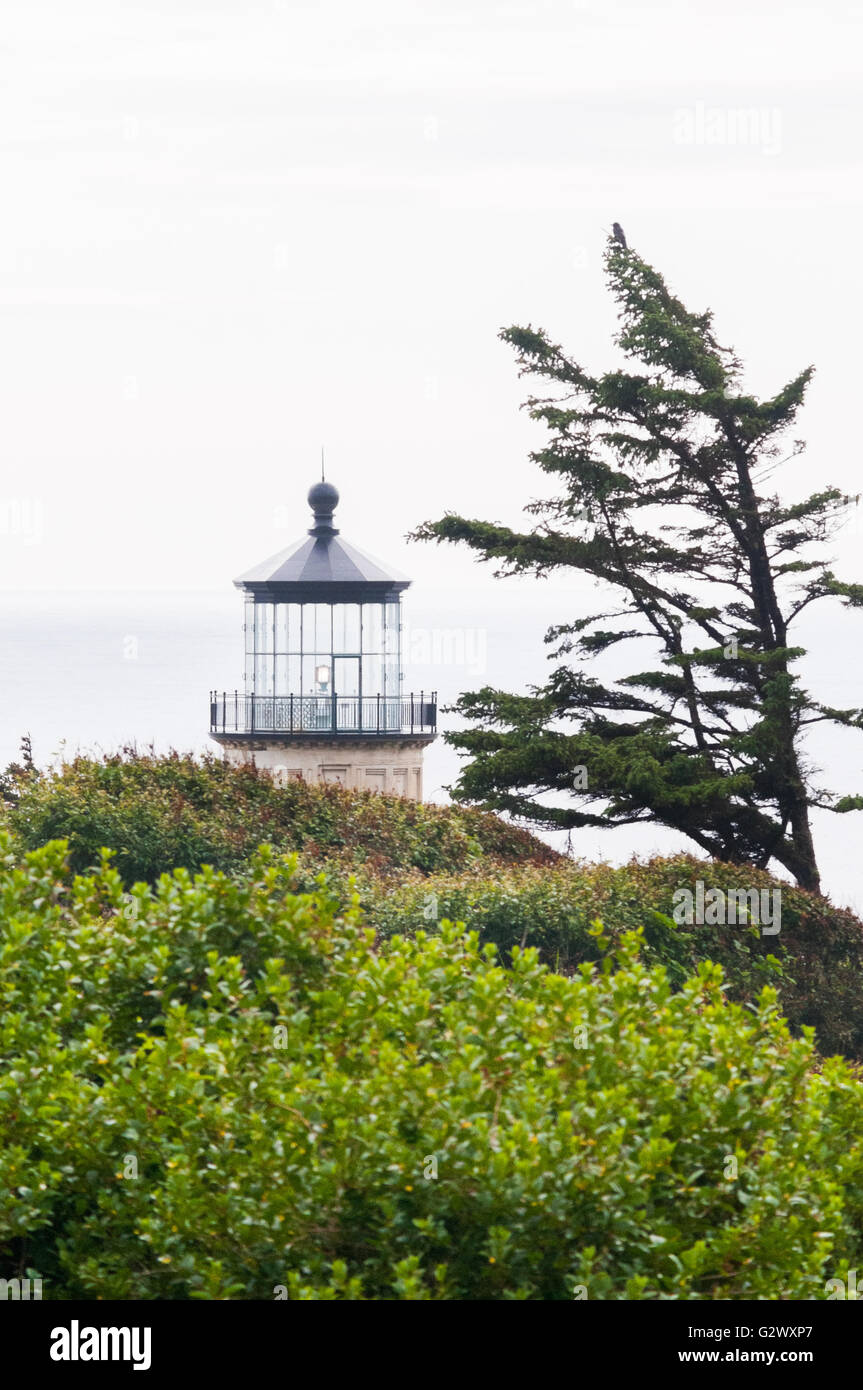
[
  {"x": 307, "y": 618},
  {"x": 282, "y": 675},
  {"x": 288, "y": 675},
  {"x": 249, "y": 625},
  {"x": 373, "y": 627},
  {"x": 317, "y": 627},
  {"x": 263, "y": 627},
  {"x": 391, "y": 675},
  {"x": 372, "y": 676},
  {"x": 346, "y": 627},
  {"x": 317, "y": 674},
  {"x": 323, "y": 627},
  {"x": 293, "y": 626},
  {"x": 263, "y": 674},
  {"x": 302, "y": 649},
  {"x": 392, "y": 628}
]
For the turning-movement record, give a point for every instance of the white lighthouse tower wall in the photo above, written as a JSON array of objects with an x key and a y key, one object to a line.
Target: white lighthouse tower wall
[{"x": 393, "y": 767}]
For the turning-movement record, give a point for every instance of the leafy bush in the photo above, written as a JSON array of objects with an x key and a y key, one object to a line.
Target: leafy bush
[
  {"x": 418, "y": 864},
  {"x": 816, "y": 960},
  {"x": 309, "y": 1112},
  {"x": 162, "y": 813}
]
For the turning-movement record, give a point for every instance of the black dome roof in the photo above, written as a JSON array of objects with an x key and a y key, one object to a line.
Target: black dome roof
[{"x": 323, "y": 568}]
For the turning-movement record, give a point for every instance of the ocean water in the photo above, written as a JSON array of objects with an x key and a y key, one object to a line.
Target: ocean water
[{"x": 94, "y": 671}]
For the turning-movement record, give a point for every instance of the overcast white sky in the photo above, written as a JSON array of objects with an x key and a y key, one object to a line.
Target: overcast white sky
[{"x": 233, "y": 231}]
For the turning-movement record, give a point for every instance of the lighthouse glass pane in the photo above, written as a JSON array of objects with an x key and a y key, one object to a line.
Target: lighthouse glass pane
[
  {"x": 346, "y": 676},
  {"x": 346, "y": 627},
  {"x": 372, "y": 676},
  {"x": 373, "y": 637},
  {"x": 263, "y": 674},
  {"x": 317, "y": 627},
  {"x": 282, "y": 627},
  {"x": 323, "y": 627},
  {"x": 391, "y": 675},
  {"x": 263, "y": 627},
  {"x": 318, "y": 674},
  {"x": 295, "y": 627},
  {"x": 287, "y": 675},
  {"x": 249, "y": 624},
  {"x": 391, "y": 635}
]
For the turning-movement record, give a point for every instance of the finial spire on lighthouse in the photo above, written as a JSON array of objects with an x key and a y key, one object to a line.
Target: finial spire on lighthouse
[{"x": 323, "y": 500}]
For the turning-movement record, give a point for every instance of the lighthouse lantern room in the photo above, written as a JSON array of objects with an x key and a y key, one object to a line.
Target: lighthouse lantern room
[{"x": 323, "y": 697}]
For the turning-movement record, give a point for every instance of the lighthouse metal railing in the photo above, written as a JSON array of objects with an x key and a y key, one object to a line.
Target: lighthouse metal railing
[{"x": 234, "y": 712}]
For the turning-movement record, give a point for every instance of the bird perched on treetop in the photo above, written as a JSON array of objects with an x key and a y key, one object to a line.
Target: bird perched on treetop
[{"x": 617, "y": 233}]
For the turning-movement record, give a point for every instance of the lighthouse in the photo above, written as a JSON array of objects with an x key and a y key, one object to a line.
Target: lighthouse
[{"x": 323, "y": 697}]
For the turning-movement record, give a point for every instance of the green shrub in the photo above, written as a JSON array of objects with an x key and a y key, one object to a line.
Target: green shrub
[
  {"x": 417, "y": 864},
  {"x": 428, "y": 1124},
  {"x": 816, "y": 960},
  {"x": 163, "y": 813}
]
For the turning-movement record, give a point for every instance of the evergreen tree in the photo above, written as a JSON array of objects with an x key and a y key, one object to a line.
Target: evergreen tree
[{"x": 666, "y": 464}]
